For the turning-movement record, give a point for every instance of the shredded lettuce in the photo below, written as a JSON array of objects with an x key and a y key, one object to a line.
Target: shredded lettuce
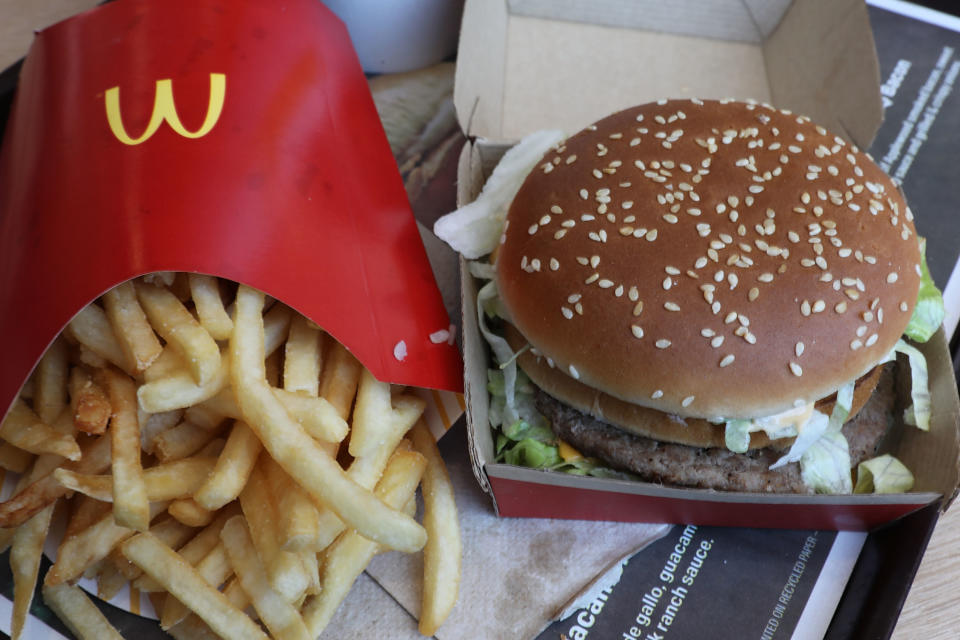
[
  {"x": 918, "y": 414},
  {"x": 883, "y": 474},
  {"x": 929, "y": 312},
  {"x": 825, "y": 465},
  {"x": 474, "y": 229}
]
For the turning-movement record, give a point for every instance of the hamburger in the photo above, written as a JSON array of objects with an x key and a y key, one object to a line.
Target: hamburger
[{"x": 707, "y": 294}]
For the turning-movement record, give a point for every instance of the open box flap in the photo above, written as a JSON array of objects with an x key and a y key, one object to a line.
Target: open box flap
[
  {"x": 237, "y": 139},
  {"x": 525, "y": 65}
]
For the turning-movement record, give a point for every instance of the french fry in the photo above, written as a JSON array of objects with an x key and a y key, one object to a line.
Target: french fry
[
  {"x": 33, "y": 498},
  {"x": 135, "y": 335},
  {"x": 279, "y": 616},
  {"x": 50, "y": 382},
  {"x": 286, "y": 573},
  {"x": 303, "y": 358},
  {"x": 205, "y": 292},
  {"x": 444, "y": 549},
  {"x": 297, "y": 516},
  {"x": 339, "y": 379},
  {"x": 366, "y": 470},
  {"x": 183, "y": 582},
  {"x": 297, "y": 452},
  {"x": 80, "y": 615},
  {"x": 23, "y": 429},
  {"x": 215, "y": 568},
  {"x": 181, "y": 441},
  {"x": 276, "y": 325},
  {"x": 155, "y": 424},
  {"x": 187, "y": 511},
  {"x": 25, "y": 552},
  {"x": 89, "y": 402},
  {"x": 181, "y": 330},
  {"x": 191, "y": 628},
  {"x": 317, "y": 416},
  {"x": 14, "y": 459},
  {"x": 91, "y": 328},
  {"x": 232, "y": 469},
  {"x": 371, "y": 415},
  {"x": 168, "y": 481},
  {"x": 198, "y": 546},
  {"x": 167, "y": 363},
  {"x": 84, "y": 512},
  {"x": 109, "y": 580},
  {"x": 179, "y": 389},
  {"x": 346, "y": 558},
  {"x": 168, "y": 530},
  {"x": 90, "y": 546},
  {"x": 131, "y": 507},
  {"x": 206, "y": 416}
]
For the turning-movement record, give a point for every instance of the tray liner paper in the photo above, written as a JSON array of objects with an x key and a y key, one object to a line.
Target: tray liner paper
[{"x": 233, "y": 138}]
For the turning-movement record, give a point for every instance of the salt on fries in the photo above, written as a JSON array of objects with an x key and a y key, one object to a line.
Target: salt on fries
[{"x": 223, "y": 455}]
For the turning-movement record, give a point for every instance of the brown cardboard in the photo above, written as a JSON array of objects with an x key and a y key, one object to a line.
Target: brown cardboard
[
  {"x": 933, "y": 456},
  {"x": 525, "y": 65}
]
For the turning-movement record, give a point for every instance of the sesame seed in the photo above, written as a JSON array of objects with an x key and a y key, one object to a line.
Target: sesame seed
[
  {"x": 574, "y": 372},
  {"x": 592, "y": 279},
  {"x": 567, "y": 313},
  {"x": 796, "y": 369},
  {"x": 892, "y": 277},
  {"x": 798, "y": 349},
  {"x": 753, "y": 294},
  {"x": 707, "y": 333},
  {"x": 584, "y": 194},
  {"x": 856, "y": 344},
  {"x": 861, "y": 331},
  {"x": 727, "y": 360},
  {"x": 663, "y": 343},
  {"x": 651, "y": 235},
  {"x": 638, "y": 308},
  {"x": 671, "y": 306},
  {"x": 840, "y": 307},
  {"x": 819, "y": 306},
  {"x": 805, "y": 307},
  {"x": 872, "y": 340},
  {"x": 667, "y": 283},
  {"x": 656, "y": 394},
  {"x": 687, "y": 401},
  {"x": 765, "y": 277},
  {"x": 732, "y": 316},
  {"x": 637, "y": 331},
  {"x": 716, "y": 341},
  {"x": 554, "y": 264}
]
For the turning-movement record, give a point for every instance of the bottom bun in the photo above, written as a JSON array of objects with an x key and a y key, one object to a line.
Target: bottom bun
[
  {"x": 713, "y": 467},
  {"x": 647, "y": 422}
]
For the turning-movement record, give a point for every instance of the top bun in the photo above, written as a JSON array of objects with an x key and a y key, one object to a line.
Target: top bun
[{"x": 713, "y": 259}]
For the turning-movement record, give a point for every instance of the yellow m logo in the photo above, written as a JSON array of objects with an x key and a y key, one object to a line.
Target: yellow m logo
[{"x": 165, "y": 109}]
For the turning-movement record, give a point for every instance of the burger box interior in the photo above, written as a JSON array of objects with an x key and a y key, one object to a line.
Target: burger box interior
[{"x": 525, "y": 65}]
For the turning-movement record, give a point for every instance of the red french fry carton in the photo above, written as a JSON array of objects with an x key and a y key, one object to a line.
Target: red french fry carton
[{"x": 232, "y": 138}]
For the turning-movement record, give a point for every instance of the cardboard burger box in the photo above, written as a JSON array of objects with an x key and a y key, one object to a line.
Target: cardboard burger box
[
  {"x": 231, "y": 138},
  {"x": 527, "y": 65}
]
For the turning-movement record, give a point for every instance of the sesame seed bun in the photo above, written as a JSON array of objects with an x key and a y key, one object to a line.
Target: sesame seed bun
[
  {"x": 709, "y": 259},
  {"x": 650, "y": 423}
]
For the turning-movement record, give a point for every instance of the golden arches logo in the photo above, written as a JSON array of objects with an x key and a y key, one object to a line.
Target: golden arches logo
[{"x": 165, "y": 109}]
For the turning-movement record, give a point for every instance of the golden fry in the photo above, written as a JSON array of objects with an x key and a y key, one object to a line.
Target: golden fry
[
  {"x": 232, "y": 469},
  {"x": 89, "y": 402},
  {"x": 183, "y": 582},
  {"x": 339, "y": 379},
  {"x": 181, "y": 330},
  {"x": 303, "y": 358},
  {"x": 131, "y": 507},
  {"x": 50, "y": 382},
  {"x": 135, "y": 335},
  {"x": 24, "y": 429},
  {"x": 444, "y": 549},
  {"x": 346, "y": 558},
  {"x": 279, "y": 616},
  {"x": 80, "y": 615},
  {"x": 91, "y": 328},
  {"x": 168, "y": 481},
  {"x": 297, "y": 452},
  {"x": 25, "y": 552},
  {"x": 205, "y": 291}
]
